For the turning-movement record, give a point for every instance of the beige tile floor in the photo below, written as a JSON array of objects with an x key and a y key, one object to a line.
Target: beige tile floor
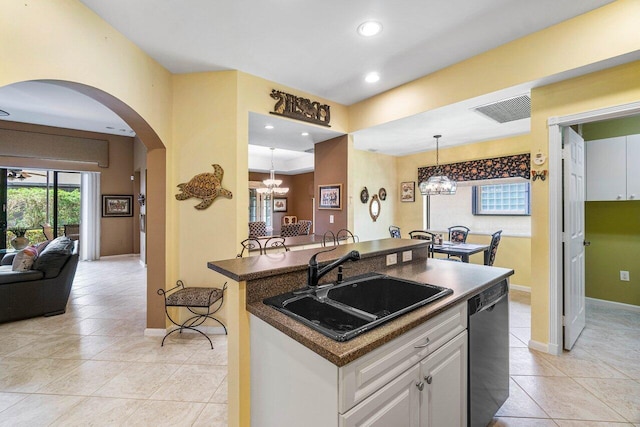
[
  {"x": 93, "y": 366},
  {"x": 596, "y": 384}
]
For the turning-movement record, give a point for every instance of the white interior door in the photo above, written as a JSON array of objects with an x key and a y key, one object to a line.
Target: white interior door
[{"x": 574, "y": 237}]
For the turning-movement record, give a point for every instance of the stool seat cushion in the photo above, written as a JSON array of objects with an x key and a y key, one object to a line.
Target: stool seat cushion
[{"x": 194, "y": 297}]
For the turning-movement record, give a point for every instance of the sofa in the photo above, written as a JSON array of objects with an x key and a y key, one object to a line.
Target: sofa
[{"x": 43, "y": 289}]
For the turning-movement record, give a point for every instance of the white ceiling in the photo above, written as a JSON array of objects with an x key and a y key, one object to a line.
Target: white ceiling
[
  {"x": 314, "y": 48},
  {"x": 313, "y": 45},
  {"x": 45, "y": 103}
]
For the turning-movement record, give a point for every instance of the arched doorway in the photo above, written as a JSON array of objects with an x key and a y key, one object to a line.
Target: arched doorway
[{"x": 155, "y": 197}]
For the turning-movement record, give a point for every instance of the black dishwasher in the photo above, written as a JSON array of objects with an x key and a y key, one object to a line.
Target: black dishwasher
[{"x": 488, "y": 386}]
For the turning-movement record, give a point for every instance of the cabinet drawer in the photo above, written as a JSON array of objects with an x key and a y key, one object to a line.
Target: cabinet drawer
[{"x": 364, "y": 376}]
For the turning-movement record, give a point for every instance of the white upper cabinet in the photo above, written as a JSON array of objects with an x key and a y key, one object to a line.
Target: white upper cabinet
[
  {"x": 613, "y": 168},
  {"x": 633, "y": 167}
]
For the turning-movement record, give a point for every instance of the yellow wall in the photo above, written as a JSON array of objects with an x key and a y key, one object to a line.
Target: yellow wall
[
  {"x": 374, "y": 171},
  {"x": 614, "y": 86},
  {"x": 513, "y": 252},
  {"x": 64, "y": 40}
]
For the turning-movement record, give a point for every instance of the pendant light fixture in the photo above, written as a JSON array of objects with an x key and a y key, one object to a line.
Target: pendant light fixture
[
  {"x": 272, "y": 185},
  {"x": 438, "y": 183}
]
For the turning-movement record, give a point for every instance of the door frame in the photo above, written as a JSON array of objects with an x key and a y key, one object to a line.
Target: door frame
[{"x": 556, "y": 260}]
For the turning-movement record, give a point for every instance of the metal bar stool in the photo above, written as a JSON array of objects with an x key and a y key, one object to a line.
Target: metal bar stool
[{"x": 192, "y": 298}]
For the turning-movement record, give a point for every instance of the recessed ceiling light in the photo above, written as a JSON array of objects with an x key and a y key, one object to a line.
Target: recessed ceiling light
[
  {"x": 268, "y": 126},
  {"x": 305, "y": 134},
  {"x": 369, "y": 28},
  {"x": 372, "y": 77}
]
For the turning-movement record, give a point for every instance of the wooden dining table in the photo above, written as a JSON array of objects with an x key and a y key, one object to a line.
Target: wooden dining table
[{"x": 462, "y": 250}]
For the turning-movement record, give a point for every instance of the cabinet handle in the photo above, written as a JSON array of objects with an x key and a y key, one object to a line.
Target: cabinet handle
[
  {"x": 420, "y": 385},
  {"x": 426, "y": 343},
  {"x": 428, "y": 379}
]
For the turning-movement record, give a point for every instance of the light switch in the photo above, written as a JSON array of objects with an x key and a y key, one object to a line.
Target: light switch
[{"x": 330, "y": 219}]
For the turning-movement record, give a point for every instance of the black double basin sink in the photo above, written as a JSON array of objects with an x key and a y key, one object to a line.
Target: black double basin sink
[{"x": 345, "y": 310}]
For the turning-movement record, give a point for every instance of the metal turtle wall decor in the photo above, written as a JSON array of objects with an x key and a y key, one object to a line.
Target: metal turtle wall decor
[{"x": 205, "y": 186}]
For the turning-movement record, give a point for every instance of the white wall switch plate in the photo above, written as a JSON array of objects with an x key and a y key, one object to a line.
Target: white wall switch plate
[
  {"x": 330, "y": 219},
  {"x": 406, "y": 256},
  {"x": 392, "y": 259},
  {"x": 624, "y": 276}
]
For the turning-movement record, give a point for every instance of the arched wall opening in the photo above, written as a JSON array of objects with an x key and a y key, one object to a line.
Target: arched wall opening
[{"x": 155, "y": 194}]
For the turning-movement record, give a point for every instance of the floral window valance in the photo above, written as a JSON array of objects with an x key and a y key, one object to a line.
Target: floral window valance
[{"x": 516, "y": 166}]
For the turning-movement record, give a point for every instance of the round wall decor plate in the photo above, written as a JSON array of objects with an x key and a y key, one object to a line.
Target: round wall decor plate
[
  {"x": 382, "y": 193},
  {"x": 364, "y": 195}
]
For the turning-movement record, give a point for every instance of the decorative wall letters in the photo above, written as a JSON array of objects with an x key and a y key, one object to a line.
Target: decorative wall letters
[{"x": 295, "y": 107}]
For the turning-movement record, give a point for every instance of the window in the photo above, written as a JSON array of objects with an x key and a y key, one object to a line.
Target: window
[{"x": 502, "y": 199}]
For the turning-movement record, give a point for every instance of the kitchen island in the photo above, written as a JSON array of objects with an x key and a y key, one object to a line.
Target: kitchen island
[{"x": 269, "y": 275}]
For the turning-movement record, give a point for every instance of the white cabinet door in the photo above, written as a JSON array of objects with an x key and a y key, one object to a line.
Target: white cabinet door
[
  {"x": 633, "y": 167},
  {"x": 606, "y": 169},
  {"x": 444, "y": 374},
  {"x": 396, "y": 404}
]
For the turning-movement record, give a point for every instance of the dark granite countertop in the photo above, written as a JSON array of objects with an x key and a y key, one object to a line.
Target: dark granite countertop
[
  {"x": 466, "y": 280},
  {"x": 256, "y": 267}
]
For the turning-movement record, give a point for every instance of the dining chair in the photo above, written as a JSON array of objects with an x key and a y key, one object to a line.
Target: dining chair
[
  {"x": 289, "y": 219},
  {"x": 493, "y": 248},
  {"x": 290, "y": 230},
  {"x": 344, "y": 235},
  {"x": 249, "y": 245},
  {"x": 257, "y": 228},
  {"x": 394, "y": 231},
  {"x": 274, "y": 244},
  {"x": 457, "y": 234},
  {"x": 328, "y": 237},
  {"x": 305, "y": 227},
  {"x": 424, "y": 235}
]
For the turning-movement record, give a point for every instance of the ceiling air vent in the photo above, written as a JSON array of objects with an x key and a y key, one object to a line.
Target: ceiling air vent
[{"x": 507, "y": 110}]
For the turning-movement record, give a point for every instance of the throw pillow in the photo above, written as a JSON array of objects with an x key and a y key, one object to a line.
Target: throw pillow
[
  {"x": 24, "y": 259},
  {"x": 40, "y": 246},
  {"x": 54, "y": 256}
]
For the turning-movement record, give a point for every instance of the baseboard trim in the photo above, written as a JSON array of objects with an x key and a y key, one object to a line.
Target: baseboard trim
[
  {"x": 615, "y": 304},
  {"x": 522, "y": 288},
  {"x": 539, "y": 346},
  {"x": 154, "y": 332}
]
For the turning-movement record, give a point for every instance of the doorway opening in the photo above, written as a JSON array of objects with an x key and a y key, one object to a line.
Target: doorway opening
[
  {"x": 155, "y": 217},
  {"x": 557, "y": 188}
]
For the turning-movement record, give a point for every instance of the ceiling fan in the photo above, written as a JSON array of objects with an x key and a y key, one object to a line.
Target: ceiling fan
[{"x": 13, "y": 174}]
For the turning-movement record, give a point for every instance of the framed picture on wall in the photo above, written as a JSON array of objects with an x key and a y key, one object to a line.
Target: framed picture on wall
[
  {"x": 117, "y": 206},
  {"x": 330, "y": 196},
  {"x": 279, "y": 204},
  {"x": 408, "y": 191}
]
